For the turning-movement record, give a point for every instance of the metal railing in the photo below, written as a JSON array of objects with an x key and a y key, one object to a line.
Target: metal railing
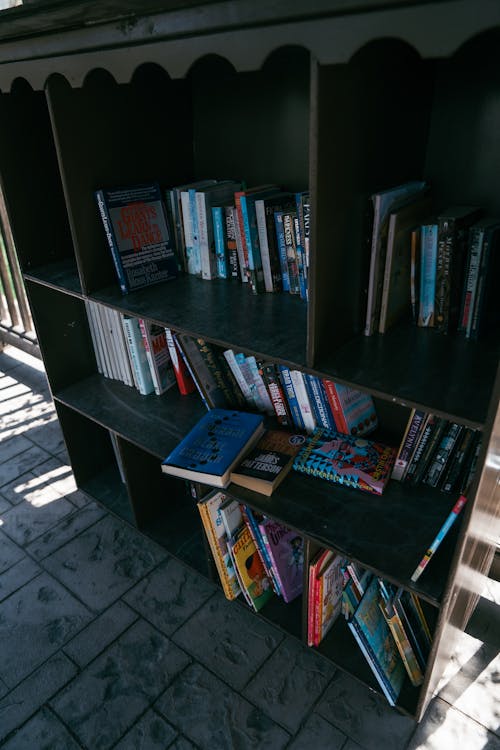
[{"x": 16, "y": 323}]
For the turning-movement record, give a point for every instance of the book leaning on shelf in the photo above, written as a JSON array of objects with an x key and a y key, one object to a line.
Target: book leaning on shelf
[
  {"x": 138, "y": 236},
  {"x": 209, "y": 509}
]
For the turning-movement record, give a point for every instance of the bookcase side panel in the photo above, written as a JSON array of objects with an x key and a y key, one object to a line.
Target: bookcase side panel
[
  {"x": 126, "y": 134},
  {"x": 371, "y": 130},
  {"x": 63, "y": 334},
  {"x": 31, "y": 180}
]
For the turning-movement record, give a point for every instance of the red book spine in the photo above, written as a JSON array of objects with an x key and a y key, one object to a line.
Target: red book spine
[
  {"x": 182, "y": 375},
  {"x": 337, "y": 412}
]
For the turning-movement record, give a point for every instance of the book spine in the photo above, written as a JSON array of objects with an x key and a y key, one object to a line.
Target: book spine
[
  {"x": 182, "y": 375},
  {"x": 408, "y": 445},
  {"x": 311, "y": 609},
  {"x": 195, "y": 224},
  {"x": 478, "y": 301},
  {"x": 280, "y": 241},
  {"x": 192, "y": 372},
  {"x": 108, "y": 231},
  {"x": 272, "y": 569},
  {"x": 444, "y": 260},
  {"x": 242, "y": 232},
  {"x": 230, "y": 590},
  {"x": 415, "y": 254},
  {"x": 212, "y": 363},
  {"x": 456, "y": 466},
  {"x": 175, "y": 221},
  {"x": 219, "y": 224},
  {"x": 205, "y": 237},
  {"x": 438, "y": 429},
  {"x": 263, "y": 394},
  {"x": 427, "y": 275},
  {"x": 335, "y": 406},
  {"x": 276, "y": 394},
  {"x": 301, "y": 269},
  {"x": 256, "y": 535},
  {"x": 425, "y": 435},
  {"x": 439, "y": 538},
  {"x": 318, "y": 608},
  {"x": 319, "y": 402},
  {"x": 293, "y": 403},
  {"x": 233, "y": 267},
  {"x": 303, "y": 400},
  {"x": 443, "y": 453},
  {"x": 260, "y": 215},
  {"x": 131, "y": 352},
  {"x": 95, "y": 336},
  {"x": 238, "y": 233},
  {"x": 236, "y": 370},
  {"x": 471, "y": 275},
  {"x": 291, "y": 252},
  {"x": 187, "y": 223},
  {"x": 252, "y": 242},
  {"x": 274, "y": 256}
]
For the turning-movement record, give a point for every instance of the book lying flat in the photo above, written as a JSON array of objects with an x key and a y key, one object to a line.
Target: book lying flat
[
  {"x": 346, "y": 459},
  {"x": 214, "y": 446},
  {"x": 269, "y": 462}
]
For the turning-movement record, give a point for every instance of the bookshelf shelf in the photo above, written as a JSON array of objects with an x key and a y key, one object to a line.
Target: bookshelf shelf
[{"x": 342, "y": 102}]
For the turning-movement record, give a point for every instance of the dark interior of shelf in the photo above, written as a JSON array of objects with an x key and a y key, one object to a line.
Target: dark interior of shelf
[
  {"x": 107, "y": 488},
  {"x": 449, "y": 375},
  {"x": 154, "y": 423},
  {"x": 269, "y": 325},
  {"x": 62, "y": 275},
  {"x": 388, "y": 534},
  {"x": 286, "y": 615}
]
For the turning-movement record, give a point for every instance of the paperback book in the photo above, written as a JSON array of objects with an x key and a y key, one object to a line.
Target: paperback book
[
  {"x": 269, "y": 462},
  {"x": 214, "y": 446},
  {"x": 286, "y": 552},
  {"x": 136, "y": 229},
  {"x": 347, "y": 460},
  {"x": 253, "y": 580}
]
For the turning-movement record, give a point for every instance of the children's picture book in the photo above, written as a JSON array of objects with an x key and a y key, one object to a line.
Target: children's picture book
[
  {"x": 251, "y": 573},
  {"x": 209, "y": 509},
  {"x": 214, "y": 446},
  {"x": 286, "y": 552},
  {"x": 346, "y": 459},
  {"x": 375, "y": 639},
  {"x": 269, "y": 462},
  {"x": 329, "y": 583},
  {"x": 139, "y": 238}
]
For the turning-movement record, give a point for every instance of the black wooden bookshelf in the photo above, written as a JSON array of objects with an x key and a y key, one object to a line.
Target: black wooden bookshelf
[{"x": 316, "y": 101}]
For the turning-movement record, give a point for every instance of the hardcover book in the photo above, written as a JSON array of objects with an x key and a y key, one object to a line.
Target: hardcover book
[
  {"x": 251, "y": 573},
  {"x": 268, "y": 463},
  {"x": 372, "y": 632},
  {"x": 209, "y": 509},
  {"x": 286, "y": 551},
  {"x": 214, "y": 446},
  {"x": 136, "y": 228},
  {"x": 138, "y": 355},
  {"x": 428, "y": 260},
  {"x": 155, "y": 344},
  {"x": 345, "y": 459}
]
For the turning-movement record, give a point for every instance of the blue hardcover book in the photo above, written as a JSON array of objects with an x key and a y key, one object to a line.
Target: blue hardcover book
[
  {"x": 293, "y": 402},
  {"x": 319, "y": 402},
  {"x": 369, "y": 623},
  {"x": 428, "y": 265},
  {"x": 219, "y": 222},
  {"x": 214, "y": 446},
  {"x": 280, "y": 238},
  {"x": 138, "y": 236}
]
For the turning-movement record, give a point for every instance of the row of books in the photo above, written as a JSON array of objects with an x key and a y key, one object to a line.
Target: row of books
[
  {"x": 255, "y": 556},
  {"x": 257, "y": 235},
  {"x": 136, "y": 351},
  {"x": 298, "y": 400},
  {"x": 437, "y": 452},
  {"x": 440, "y": 267},
  {"x": 212, "y": 229},
  {"x": 258, "y": 558}
]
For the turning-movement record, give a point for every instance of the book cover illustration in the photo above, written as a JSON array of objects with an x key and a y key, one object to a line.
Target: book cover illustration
[
  {"x": 136, "y": 228},
  {"x": 374, "y": 631},
  {"x": 346, "y": 459},
  {"x": 268, "y": 463},
  {"x": 330, "y": 584},
  {"x": 209, "y": 509},
  {"x": 213, "y": 447},
  {"x": 286, "y": 550},
  {"x": 353, "y": 411},
  {"x": 251, "y": 572}
]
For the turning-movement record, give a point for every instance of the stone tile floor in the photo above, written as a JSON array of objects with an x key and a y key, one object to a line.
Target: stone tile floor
[{"x": 109, "y": 642}]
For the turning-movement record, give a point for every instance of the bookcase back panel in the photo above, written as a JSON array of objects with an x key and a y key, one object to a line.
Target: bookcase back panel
[
  {"x": 64, "y": 336},
  {"x": 370, "y": 133},
  {"x": 253, "y": 125},
  {"x": 31, "y": 180},
  {"x": 125, "y": 134},
  {"x": 463, "y": 158}
]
